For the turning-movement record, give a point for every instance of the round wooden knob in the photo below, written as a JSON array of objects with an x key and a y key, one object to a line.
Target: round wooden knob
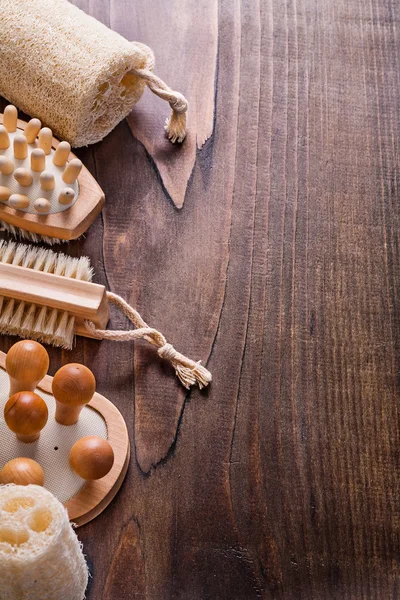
[
  {"x": 73, "y": 387},
  {"x": 27, "y": 363},
  {"x": 26, "y": 414},
  {"x": 22, "y": 471},
  {"x": 91, "y": 457}
]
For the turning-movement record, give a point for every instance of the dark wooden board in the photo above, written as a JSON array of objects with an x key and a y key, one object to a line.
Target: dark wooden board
[{"x": 282, "y": 270}]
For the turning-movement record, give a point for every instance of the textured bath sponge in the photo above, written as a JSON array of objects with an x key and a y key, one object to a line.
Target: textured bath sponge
[
  {"x": 40, "y": 555},
  {"x": 75, "y": 74}
]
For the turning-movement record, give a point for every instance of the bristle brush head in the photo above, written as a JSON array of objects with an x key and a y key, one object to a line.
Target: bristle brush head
[
  {"x": 43, "y": 259},
  {"x": 40, "y": 323},
  {"x": 29, "y": 236},
  {"x": 43, "y": 324}
]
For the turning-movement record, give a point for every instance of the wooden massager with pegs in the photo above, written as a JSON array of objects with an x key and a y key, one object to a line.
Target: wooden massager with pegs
[
  {"x": 45, "y": 191},
  {"x": 58, "y": 432}
]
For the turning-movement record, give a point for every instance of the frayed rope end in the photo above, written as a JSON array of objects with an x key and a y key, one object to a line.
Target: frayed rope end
[
  {"x": 190, "y": 376},
  {"x": 188, "y": 372},
  {"x": 175, "y": 127}
]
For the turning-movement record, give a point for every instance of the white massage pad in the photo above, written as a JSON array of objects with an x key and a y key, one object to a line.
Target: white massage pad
[{"x": 52, "y": 448}]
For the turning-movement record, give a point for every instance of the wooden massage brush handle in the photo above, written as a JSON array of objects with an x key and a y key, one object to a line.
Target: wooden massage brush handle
[
  {"x": 27, "y": 363},
  {"x": 26, "y": 414}
]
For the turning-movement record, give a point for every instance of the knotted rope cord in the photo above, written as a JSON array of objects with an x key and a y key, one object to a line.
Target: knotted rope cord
[
  {"x": 188, "y": 371},
  {"x": 175, "y": 126}
]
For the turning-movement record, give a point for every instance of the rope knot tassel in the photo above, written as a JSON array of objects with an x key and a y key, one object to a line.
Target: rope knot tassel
[
  {"x": 187, "y": 370},
  {"x": 175, "y": 125}
]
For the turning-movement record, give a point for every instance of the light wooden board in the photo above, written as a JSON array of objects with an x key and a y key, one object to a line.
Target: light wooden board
[{"x": 94, "y": 496}]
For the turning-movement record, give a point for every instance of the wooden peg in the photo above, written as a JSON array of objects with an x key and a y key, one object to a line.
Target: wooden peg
[
  {"x": 61, "y": 154},
  {"x": 66, "y": 196},
  {"x": 5, "y": 193},
  {"x": 42, "y": 205},
  {"x": 26, "y": 414},
  {"x": 22, "y": 471},
  {"x": 23, "y": 177},
  {"x": 18, "y": 201},
  {"x": 38, "y": 160},
  {"x": 4, "y": 138},
  {"x": 45, "y": 139},
  {"x": 47, "y": 181},
  {"x": 10, "y": 117},
  {"x": 73, "y": 387},
  {"x": 6, "y": 166},
  {"x": 72, "y": 170},
  {"x": 32, "y": 130},
  {"x": 27, "y": 363},
  {"x": 91, "y": 457},
  {"x": 20, "y": 147}
]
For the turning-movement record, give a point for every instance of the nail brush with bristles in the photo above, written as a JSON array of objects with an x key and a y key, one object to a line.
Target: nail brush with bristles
[
  {"x": 44, "y": 295},
  {"x": 50, "y": 297}
]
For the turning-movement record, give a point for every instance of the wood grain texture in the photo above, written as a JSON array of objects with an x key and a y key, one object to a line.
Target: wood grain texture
[
  {"x": 187, "y": 60},
  {"x": 282, "y": 481}
]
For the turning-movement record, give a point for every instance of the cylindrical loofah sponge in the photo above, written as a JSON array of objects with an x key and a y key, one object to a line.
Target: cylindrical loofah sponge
[
  {"x": 40, "y": 555},
  {"x": 74, "y": 73}
]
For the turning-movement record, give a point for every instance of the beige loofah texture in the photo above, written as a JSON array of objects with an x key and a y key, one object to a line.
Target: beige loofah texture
[
  {"x": 68, "y": 69},
  {"x": 40, "y": 555}
]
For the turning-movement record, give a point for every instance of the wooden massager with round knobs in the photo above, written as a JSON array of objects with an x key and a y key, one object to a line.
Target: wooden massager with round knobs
[
  {"x": 45, "y": 191},
  {"x": 58, "y": 415}
]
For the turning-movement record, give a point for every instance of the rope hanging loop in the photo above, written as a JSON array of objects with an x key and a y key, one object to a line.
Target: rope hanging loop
[{"x": 175, "y": 125}]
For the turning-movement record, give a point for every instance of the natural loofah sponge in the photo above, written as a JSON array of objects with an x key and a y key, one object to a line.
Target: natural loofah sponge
[
  {"x": 74, "y": 73},
  {"x": 40, "y": 555}
]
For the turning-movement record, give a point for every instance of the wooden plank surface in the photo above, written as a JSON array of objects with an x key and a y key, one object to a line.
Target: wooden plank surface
[{"x": 282, "y": 271}]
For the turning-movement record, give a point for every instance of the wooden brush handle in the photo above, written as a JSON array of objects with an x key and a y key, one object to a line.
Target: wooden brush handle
[{"x": 82, "y": 299}]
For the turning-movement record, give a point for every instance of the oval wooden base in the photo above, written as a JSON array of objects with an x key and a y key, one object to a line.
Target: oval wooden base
[{"x": 95, "y": 496}]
